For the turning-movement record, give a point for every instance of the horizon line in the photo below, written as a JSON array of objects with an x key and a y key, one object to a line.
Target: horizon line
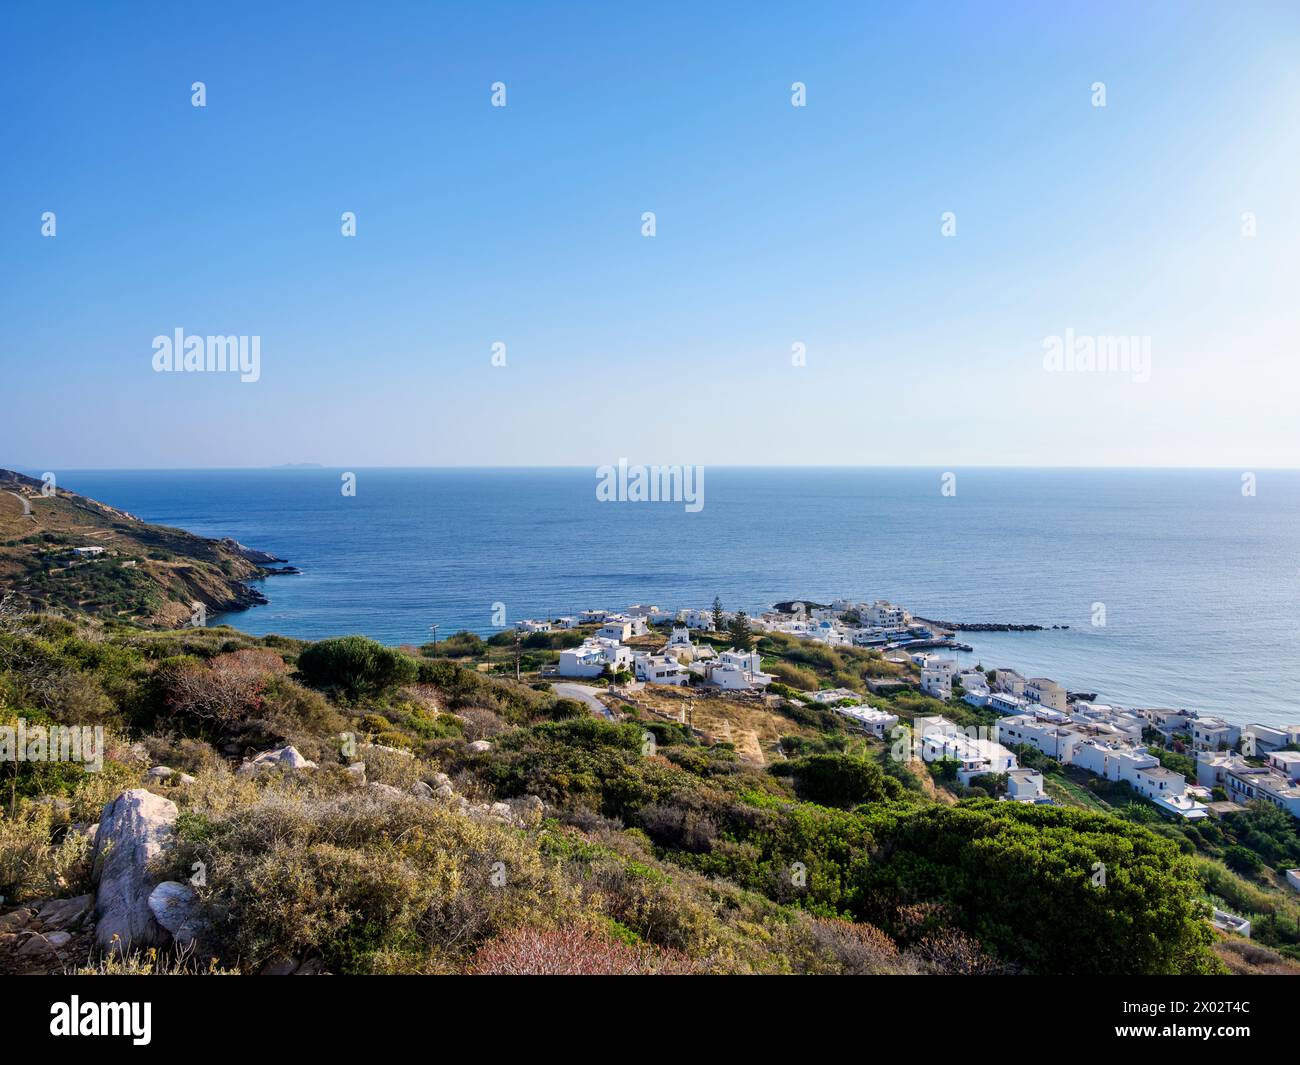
[{"x": 324, "y": 467}]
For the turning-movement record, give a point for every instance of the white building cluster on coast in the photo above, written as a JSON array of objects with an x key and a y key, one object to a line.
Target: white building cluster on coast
[{"x": 1037, "y": 712}]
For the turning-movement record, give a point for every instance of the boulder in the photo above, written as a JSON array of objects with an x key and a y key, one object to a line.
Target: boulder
[
  {"x": 15, "y": 919},
  {"x": 286, "y": 758},
  {"x": 386, "y": 790},
  {"x": 357, "y": 771},
  {"x": 177, "y": 908},
  {"x": 38, "y": 946},
  {"x": 479, "y": 746},
  {"x": 57, "y": 914},
  {"x": 133, "y": 830},
  {"x": 160, "y": 774},
  {"x": 421, "y": 790},
  {"x": 440, "y": 780},
  {"x": 445, "y": 791},
  {"x": 530, "y": 810}
]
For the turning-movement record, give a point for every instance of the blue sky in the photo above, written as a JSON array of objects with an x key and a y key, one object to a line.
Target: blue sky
[{"x": 775, "y": 225}]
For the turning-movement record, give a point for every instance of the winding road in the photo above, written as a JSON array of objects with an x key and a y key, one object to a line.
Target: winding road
[{"x": 583, "y": 694}]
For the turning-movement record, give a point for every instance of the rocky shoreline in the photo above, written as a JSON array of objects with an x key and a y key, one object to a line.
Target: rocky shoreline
[{"x": 986, "y": 626}]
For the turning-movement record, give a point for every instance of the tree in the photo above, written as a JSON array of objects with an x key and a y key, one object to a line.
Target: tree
[
  {"x": 717, "y": 614},
  {"x": 356, "y": 665},
  {"x": 740, "y": 632},
  {"x": 841, "y": 780}
]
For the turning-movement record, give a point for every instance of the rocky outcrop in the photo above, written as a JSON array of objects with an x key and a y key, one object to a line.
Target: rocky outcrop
[
  {"x": 285, "y": 758},
  {"x": 55, "y": 915},
  {"x": 133, "y": 830},
  {"x": 248, "y": 554},
  {"x": 161, "y": 774},
  {"x": 176, "y": 907}
]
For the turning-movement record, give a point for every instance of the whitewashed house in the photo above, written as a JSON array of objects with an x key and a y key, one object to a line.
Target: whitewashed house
[
  {"x": 592, "y": 656},
  {"x": 1025, "y": 785},
  {"x": 660, "y": 669},
  {"x": 939, "y": 738},
  {"x": 936, "y": 683},
  {"x": 877, "y": 722},
  {"x": 734, "y": 671}
]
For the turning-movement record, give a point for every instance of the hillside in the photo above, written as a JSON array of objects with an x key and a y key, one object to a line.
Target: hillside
[
  {"x": 345, "y": 807},
  {"x": 145, "y": 573}
]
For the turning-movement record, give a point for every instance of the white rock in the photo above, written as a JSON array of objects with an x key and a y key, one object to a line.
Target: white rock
[
  {"x": 421, "y": 790},
  {"x": 286, "y": 758},
  {"x": 159, "y": 773},
  {"x": 133, "y": 830},
  {"x": 176, "y": 907},
  {"x": 479, "y": 746}
]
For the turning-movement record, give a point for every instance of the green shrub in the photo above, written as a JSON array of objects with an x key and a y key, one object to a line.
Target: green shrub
[{"x": 356, "y": 666}]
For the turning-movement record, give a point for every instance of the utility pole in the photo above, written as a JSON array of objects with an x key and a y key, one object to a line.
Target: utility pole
[
  {"x": 434, "y": 629},
  {"x": 518, "y": 646}
]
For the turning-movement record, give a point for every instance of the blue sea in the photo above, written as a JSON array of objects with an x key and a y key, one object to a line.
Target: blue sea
[{"x": 1200, "y": 583}]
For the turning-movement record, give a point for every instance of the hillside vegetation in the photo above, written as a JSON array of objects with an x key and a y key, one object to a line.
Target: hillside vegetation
[{"x": 605, "y": 853}]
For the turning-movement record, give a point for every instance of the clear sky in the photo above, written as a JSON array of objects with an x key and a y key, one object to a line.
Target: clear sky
[{"x": 776, "y": 225}]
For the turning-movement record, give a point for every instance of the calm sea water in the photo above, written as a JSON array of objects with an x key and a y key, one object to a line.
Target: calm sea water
[{"x": 1201, "y": 585}]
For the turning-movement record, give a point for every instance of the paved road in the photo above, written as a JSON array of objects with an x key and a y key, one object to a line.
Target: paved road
[
  {"x": 27, "y": 507},
  {"x": 584, "y": 694}
]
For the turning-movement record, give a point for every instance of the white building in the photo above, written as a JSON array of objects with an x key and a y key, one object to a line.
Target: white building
[
  {"x": 653, "y": 614},
  {"x": 1287, "y": 763},
  {"x": 1049, "y": 737},
  {"x": 1266, "y": 738},
  {"x": 938, "y": 738},
  {"x": 835, "y": 695},
  {"x": 883, "y": 614},
  {"x": 566, "y": 623},
  {"x": 1230, "y": 922},
  {"x": 679, "y": 646},
  {"x": 1006, "y": 703},
  {"x": 734, "y": 671},
  {"x": 877, "y": 722},
  {"x": 1214, "y": 734},
  {"x": 936, "y": 683},
  {"x": 1025, "y": 785},
  {"x": 621, "y": 627},
  {"x": 592, "y": 656},
  {"x": 1246, "y": 783},
  {"x": 660, "y": 669},
  {"x": 1166, "y": 789},
  {"x": 593, "y": 617},
  {"x": 532, "y": 625},
  {"x": 1168, "y": 722},
  {"x": 696, "y": 619},
  {"x": 1008, "y": 681},
  {"x": 89, "y": 551},
  {"x": 1046, "y": 692}
]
